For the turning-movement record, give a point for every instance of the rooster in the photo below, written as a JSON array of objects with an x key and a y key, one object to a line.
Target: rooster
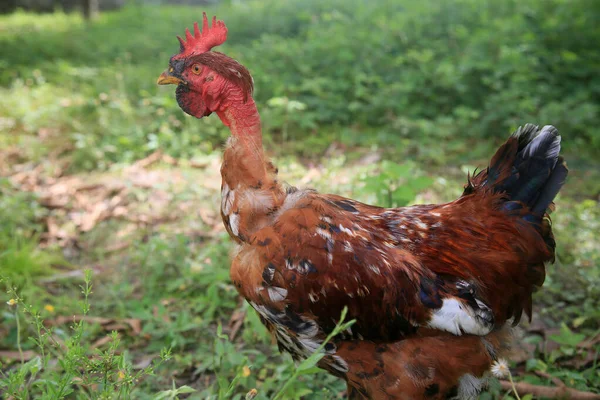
[{"x": 433, "y": 289}]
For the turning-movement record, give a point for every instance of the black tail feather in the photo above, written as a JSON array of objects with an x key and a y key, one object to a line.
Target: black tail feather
[
  {"x": 551, "y": 187},
  {"x": 533, "y": 175}
]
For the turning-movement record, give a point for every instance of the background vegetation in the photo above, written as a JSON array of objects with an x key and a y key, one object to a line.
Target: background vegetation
[{"x": 389, "y": 103}]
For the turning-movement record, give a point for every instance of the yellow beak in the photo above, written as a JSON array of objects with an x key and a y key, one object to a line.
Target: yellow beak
[{"x": 166, "y": 79}]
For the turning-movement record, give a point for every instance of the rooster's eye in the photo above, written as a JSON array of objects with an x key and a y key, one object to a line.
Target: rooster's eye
[{"x": 196, "y": 68}]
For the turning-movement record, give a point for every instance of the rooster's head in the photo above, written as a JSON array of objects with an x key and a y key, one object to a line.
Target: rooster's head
[{"x": 207, "y": 81}]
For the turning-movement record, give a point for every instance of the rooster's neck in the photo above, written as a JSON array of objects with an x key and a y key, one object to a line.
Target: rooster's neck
[
  {"x": 243, "y": 120},
  {"x": 250, "y": 190}
]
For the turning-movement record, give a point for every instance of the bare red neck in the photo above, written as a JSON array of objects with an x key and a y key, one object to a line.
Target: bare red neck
[
  {"x": 244, "y": 153},
  {"x": 242, "y": 118}
]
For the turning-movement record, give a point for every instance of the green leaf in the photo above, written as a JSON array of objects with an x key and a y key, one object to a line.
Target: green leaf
[
  {"x": 567, "y": 337},
  {"x": 397, "y": 170},
  {"x": 403, "y": 195},
  {"x": 420, "y": 182},
  {"x": 311, "y": 371},
  {"x": 299, "y": 393},
  {"x": 185, "y": 389},
  {"x": 536, "y": 365},
  {"x": 577, "y": 322},
  {"x": 310, "y": 362},
  {"x": 374, "y": 185}
]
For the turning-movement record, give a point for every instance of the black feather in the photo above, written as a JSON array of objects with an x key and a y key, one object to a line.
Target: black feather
[
  {"x": 545, "y": 144},
  {"x": 551, "y": 187},
  {"x": 530, "y": 171},
  {"x": 535, "y": 163},
  {"x": 530, "y": 176}
]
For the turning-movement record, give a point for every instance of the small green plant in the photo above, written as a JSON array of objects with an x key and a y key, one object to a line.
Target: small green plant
[
  {"x": 283, "y": 111},
  {"x": 309, "y": 365},
  {"x": 20, "y": 227},
  {"x": 101, "y": 374},
  {"x": 395, "y": 185},
  {"x": 233, "y": 370},
  {"x": 173, "y": 394}
]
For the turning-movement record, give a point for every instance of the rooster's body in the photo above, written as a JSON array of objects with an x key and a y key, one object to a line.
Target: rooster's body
[{"x": 431, "y": 287}]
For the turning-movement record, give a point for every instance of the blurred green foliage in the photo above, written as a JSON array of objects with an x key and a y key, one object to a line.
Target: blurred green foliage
[
  {"x": 20, "y": 259},
  {"x": 389, "y": 70},
  {"x": 395, "y": 185}
]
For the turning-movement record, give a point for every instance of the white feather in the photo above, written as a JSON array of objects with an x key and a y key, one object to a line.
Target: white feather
[
  {"x": 456, "y": 317},
  {"x": 277, "y": 293},
  {"x": 469, "y": 387},
  {"x": 234, "y": 223},
  {"x": 227, "y": 198}
]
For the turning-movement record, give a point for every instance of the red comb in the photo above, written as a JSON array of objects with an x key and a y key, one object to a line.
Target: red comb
[{"x": 201, "y": 42}]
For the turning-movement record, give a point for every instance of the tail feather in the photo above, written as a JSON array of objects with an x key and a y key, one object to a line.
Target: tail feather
[
  {"x": 545, "y": 144},
  {"x": 528, "y": 168},
  {"x": 535, "y": 164},
  {"x": 551, "y": 187}
]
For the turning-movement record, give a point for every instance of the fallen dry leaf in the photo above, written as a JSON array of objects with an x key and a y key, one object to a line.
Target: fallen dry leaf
[
  {"x": 310, "y": 176},
  {"x": 167, "y": 159},
  {"x": 108, "y": 324},
  {"x": 165, "y": 316},
  {"x": 115, "y": 247},
  {"x": 208, "y": 217},
  {"x": 79, "y": 203},
  {"x": 136, "y": 325},
  {"x": 151, "y": 159},
  {"x": 144, "y": 361},
  {"x": 78, "y": 273},
  {"x": 63, "y": 319},
  {"x": 15, "y": 355},
  {"x": 101, "y": 342},
  {"x": 236, "y": 321}
]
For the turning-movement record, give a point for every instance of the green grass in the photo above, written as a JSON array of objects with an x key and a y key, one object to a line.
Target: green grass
[{"x": 433, "y": 86}]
